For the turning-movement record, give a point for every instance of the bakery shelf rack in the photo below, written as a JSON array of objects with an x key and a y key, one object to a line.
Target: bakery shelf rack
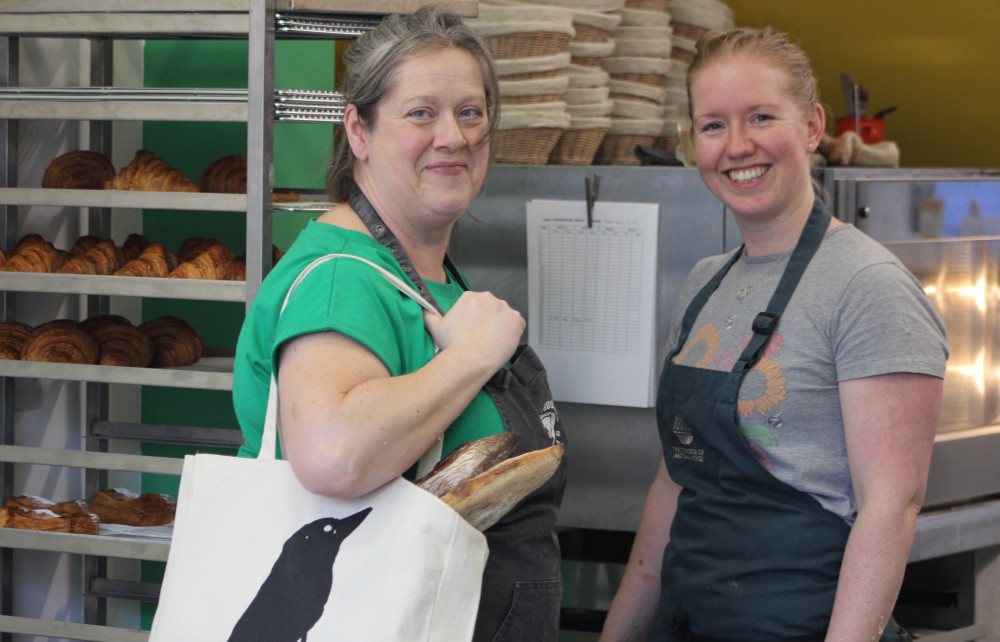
[{"x": 260, "y": 106}]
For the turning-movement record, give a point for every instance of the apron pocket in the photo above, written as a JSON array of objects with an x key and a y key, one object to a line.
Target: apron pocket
[{"x": 533, "y": 614}]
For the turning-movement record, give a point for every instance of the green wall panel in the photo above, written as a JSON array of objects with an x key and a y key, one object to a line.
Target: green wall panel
[{"x": 301, "y": 153}]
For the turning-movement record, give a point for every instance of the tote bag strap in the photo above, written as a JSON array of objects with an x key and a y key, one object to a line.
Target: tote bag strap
[{"x": 269, "y": 439}]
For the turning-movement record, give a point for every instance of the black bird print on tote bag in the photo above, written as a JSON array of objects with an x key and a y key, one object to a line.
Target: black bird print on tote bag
[{"x": 292, "y": 598}]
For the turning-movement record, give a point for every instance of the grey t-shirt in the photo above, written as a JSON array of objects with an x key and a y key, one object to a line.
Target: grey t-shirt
[{"x": 857, "y": 312}]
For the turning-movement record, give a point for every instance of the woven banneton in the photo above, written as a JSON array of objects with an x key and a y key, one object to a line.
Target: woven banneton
[
  {"x": 655, "y": 80},
  {"x": 633, "y": 90},
  {"x": 683, "y": 55},
  {"x": 640, "y": 99},
  {"x": 587, "y": 76},
  {"x": 691, "y": 32},
  {"x": 643, "y": 48},
  {"x": 644, "y": 18},
  {"x": 630, "y": 108},
  {"x": 667, "y": 143},
  {"x": 577, "y": 146},
  {"x": 528, "y": 45},
  {"x": 642, "y": 33},
  {"x": 619, "y": 149},
  {"x": 530, "y": 100},
  {"x": 592, "y": 110},
  {"x": 585, "y": 95},
  {"x": 535, "y": 75},
  {"x": 524, "y": 146},
  {"x": 648, "y": 5},
  {"x": 586, "y": 33}
]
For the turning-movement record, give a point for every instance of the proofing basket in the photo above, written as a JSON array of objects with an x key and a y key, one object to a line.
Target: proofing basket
[
  {"x": 618, "y": 146},
  {"x": 648, "y": 5},
  {"x": 527, "y": 135},
  {"x": 579, "y": 143}
]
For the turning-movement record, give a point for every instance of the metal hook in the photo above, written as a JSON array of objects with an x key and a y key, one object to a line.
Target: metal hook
[{"x": 592, "y": 190}]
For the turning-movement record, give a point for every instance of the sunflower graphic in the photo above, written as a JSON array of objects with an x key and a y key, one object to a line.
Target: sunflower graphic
[
  {"x": 764, "y": 386},
  {"x": 708, "y": 338}
]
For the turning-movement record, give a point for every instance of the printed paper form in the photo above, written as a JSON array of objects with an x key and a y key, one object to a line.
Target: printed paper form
[{"x": 591, "y": 299}]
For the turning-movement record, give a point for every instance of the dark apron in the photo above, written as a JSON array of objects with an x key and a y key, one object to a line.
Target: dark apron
[
  {"x": 522, "y": 586},
  {"x": 749, "y": 557}
]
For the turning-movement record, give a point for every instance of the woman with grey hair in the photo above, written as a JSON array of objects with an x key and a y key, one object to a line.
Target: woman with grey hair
[{"x": 368, "y": 381}]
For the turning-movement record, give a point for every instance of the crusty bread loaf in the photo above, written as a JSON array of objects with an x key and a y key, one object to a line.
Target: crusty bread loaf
[
  {"x": 60, "y": 341},
  {"x": 148, "y": 172},
  {"x": 119, "y": 342},
  {"x": 121, "y": 506},
  {"x": 81, "y": 169},
  {"x": 487, "y": 497},
  {"x": 176, "y": 341},
  {"x": 12, "y": 338}
]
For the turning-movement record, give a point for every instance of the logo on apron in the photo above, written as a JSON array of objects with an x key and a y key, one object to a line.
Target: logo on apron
[
  {"x": 682, "y": 431},
  {"x": 549, "y": 417}
]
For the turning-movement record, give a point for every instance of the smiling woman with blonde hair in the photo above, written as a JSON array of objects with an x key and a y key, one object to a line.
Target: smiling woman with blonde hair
[{"x": 799, "y": 400}]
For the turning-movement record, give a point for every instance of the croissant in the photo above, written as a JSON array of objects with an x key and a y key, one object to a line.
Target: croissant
[
  {"x": 33, "y": 254},
  {"x": 83, "y": 245},
  {"x": 155, "y": 260},
  {"x": 193, "y": 246},
  {"x": 227, "y": 175},
  {"x": 3, "y": 257},
  {"x": 12, "y": 338},
  {"x": 213, "y": 263},
  {"x": 78, "y": 170},
  {"x": 104, "y": 258},
  {"x": 119, "y": 342},
  {"x": 42, "y": 519},
  {"x": 177, "y": 342},
  {"x": 148, "y": 172},
  {"x": 134, "y": 246},
  {"x": 238, "y": 269},
  {"x": 120, "y": 506},
  {"x": 60, "y": 341}
]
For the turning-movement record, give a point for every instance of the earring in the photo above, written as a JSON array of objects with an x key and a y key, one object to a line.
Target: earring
[{"x": 810, "y": 145}]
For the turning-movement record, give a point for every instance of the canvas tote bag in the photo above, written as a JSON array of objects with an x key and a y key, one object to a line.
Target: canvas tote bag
[{"x": 255, "y": 556}]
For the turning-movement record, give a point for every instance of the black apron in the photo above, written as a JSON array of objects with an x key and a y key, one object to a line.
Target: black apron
[
  {"x": 522, "y": 585},
  {"x": 749, "y": 557}
]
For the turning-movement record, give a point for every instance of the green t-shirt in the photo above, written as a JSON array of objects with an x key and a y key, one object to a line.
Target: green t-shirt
[{"x": 350, "y": 297}]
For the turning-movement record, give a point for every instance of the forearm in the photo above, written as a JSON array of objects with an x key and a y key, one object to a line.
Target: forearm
[
  {"x": 636, "y": 604},
  {"x": 872, "y": 572}
]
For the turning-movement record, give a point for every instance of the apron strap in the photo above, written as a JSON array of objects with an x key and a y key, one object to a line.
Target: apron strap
[
  {"x": 765, "y": 323},
  {"x": 381, "y": 233},
  {"x": 694, "y": 309}
]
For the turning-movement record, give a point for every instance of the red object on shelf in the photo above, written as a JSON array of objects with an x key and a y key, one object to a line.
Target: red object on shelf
[{"x": 872, "y": 129}]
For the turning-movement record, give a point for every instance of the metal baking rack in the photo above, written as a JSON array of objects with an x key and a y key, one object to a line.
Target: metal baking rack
[
  {"x": 324, "y": 25},
  {"x": 290, "y": 105}
]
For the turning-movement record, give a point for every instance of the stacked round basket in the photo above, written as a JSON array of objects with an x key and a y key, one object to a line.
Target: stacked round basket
[
  {"x": 638, "y": 70},
  {"x": 690, "y": 20},
  {"x": 529, "y": 47},
  {"x": 587, "y": 96}
]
